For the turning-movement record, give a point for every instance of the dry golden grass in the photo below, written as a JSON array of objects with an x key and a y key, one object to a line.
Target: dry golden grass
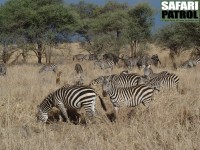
[{"x": 172, "y": 122}]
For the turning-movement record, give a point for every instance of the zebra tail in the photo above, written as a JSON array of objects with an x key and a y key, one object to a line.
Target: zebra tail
[{"x": 102, "y": 104}]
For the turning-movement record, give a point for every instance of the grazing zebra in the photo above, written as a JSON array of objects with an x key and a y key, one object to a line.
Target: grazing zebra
[
  {"x": 104, "y": 64},
  {"x": 169, "y": 81},
  {"x": 48, "y": 67},
  {"x": 148, "y": 72},
  {"x": 190, "y": 63},
  {"x": 78, "y": 69},
  {"x": 69, "y": 97},
  {"x": 78, "y": 57},
  {"x": 3, "y": 69},
  {"x": 130, "y": 97}
]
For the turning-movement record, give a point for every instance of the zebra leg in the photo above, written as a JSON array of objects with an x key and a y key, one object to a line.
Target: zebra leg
[
  {"x": 63, "y": 111},
  {"x": 116, "y": 110}
]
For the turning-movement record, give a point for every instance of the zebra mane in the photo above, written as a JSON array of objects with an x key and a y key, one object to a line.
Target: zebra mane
[{"x": 48, "y": 100}]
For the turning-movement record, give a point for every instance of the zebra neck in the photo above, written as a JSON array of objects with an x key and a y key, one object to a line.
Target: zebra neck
[
  {"x": 112, "y": 92},
  {"x": 47, "y": 104}
]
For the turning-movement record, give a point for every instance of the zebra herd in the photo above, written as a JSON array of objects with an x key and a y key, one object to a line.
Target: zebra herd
[{"x": 124, "y": 89}]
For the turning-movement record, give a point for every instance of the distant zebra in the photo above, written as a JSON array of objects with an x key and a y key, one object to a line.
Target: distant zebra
[
  {"x": 70, "y": 97},
  {"x": 78, "y": 69},
  {"x": 112, "y": 57},
  {"x": 78, "y": 57},
  {"x": 131, "y": 62},
  {"x": 169, "y": 81},
  {"x": 130, "y": 97},
  {"x": 121, "y": 80},
  {"x": 104, "y": 64},
  {"x": 146, "y": 60},
  {"x": 190, "y": 63},
  {"x": 93, "y": 57},
  {"x": 3, "y": 69},
  {"x": 48, "y": 67}
]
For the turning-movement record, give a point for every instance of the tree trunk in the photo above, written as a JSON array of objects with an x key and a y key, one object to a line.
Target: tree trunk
[
  {"x": 39, "y": 51},
  {"x": 48, "y": 53},
  {"x": 134, "y": 46},
  {"x": 5, "y": 55},
  {"x": 132, "y": 49}
]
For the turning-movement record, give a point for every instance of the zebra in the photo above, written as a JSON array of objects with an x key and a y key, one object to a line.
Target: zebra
[
  {"x": 3, "y": 69},
  {"x": 169, "y": 81},
  {"x": 146, "y": 60},
  {"x": 148, "y": 73},
  {"x": 155, "y": 60},
  {"x": 110, "y": 56},
  {"x": 125, "y": 80},
  {"x": 129, "y": 96},
  {"x": 93, "y": 57},
  {"x": 131, "y": 62},
  {"x": 78, "y": 57},
  {"x": 190, "y": 63},
  {"x": 78, "y": 68},
  {"x": 48, "y": 67},
  {"x": 69, "y": 97},
  {"x": 104, "y": 64}
]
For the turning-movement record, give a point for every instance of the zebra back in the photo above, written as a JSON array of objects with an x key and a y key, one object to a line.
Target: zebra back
[
  {"x": 104, "y": 64},
  {"x": 125, "y": 80},
  {"x": 48, "y": 67}
]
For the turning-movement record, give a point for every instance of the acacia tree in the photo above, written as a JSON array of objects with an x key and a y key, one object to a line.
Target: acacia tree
[
  {"x": 108, "y": 24},
  {"x": 34, "y": 19},
  {"x": 139, "y": 26},
  {"x": 173, "y": 37}
]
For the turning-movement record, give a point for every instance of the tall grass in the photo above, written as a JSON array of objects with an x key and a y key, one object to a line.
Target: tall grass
[{"x": 172, "y": 121}]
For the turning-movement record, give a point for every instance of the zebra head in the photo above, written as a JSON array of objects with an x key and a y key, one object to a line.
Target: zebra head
[
  {"x": 96, "y": 81},
  {"x": 107, "y": 86},
  {"x": 41, "y": 116},
  {"x": 148, "y": 71},
  {"x": 142, "y": 80}
]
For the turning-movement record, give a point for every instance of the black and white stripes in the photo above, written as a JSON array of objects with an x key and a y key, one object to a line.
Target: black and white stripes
[
  {"x": 129, "y": 96},
  {"x": 70, "y": 97},
  {"x": 48, "y": 67}
]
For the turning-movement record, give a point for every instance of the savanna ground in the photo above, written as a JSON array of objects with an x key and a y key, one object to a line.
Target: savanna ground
[{"x": 172, "y": 122}]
